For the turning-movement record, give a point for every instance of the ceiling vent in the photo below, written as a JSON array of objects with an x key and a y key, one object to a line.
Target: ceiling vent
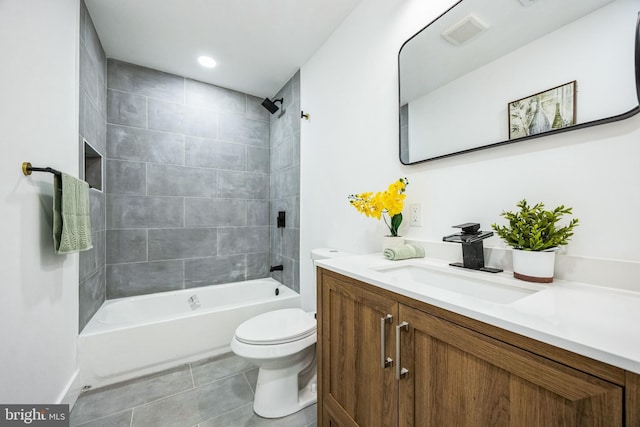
[{"x": 464, "y": 30}]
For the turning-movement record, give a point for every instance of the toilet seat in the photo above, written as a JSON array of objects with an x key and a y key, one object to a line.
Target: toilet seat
[{"x": 277, "y": 327}]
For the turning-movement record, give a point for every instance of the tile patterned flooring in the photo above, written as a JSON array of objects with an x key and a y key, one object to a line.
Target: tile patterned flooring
[{"x": 214, "y": 392}]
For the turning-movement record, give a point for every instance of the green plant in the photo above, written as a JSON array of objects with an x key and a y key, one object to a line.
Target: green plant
[{"x": 534, "y": 229}]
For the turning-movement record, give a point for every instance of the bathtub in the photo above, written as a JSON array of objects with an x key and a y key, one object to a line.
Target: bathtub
[{"x": 140, "y": 335}]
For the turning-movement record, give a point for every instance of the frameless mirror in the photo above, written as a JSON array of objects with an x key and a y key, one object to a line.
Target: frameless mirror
[{"x": 491, "y": 72}]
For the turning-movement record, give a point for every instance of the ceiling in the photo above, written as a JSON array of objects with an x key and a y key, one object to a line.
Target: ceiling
[{"x": 258, "y": 44}]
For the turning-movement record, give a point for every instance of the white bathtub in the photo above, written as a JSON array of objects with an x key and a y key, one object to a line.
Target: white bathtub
[{"x": 134, "y": 336}]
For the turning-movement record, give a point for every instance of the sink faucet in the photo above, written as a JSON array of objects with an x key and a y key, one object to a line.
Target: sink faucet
[{"x": 471, "y": 239}]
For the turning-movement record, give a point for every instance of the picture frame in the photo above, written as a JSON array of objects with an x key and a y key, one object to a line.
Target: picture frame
[{"x": 544, "y": 111}]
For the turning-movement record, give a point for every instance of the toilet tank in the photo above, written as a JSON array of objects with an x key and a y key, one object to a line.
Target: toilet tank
[{"x": 326, "y": 253}]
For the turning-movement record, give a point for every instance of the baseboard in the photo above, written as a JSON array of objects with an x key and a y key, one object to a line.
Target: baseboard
[{"x": 71, "y": 391}]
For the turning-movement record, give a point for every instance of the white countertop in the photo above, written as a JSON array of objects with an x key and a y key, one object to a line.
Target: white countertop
[{"x": 600, "y": 323}]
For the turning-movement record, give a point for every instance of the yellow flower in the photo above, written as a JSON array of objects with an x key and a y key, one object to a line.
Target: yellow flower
[{"x": 389, "y": 202}]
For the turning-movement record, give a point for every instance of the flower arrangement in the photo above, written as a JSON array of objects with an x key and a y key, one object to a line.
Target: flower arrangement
[{"x": 389, "y": 202}]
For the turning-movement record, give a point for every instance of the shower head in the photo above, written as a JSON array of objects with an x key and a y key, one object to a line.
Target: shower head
[{"x": 271, "y": 105}]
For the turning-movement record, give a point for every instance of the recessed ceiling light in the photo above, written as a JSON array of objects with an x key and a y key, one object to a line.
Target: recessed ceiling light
[{"x": 207, "y": 61}]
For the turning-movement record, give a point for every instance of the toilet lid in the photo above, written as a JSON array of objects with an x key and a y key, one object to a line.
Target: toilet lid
[{"x": 277, "y": 327}]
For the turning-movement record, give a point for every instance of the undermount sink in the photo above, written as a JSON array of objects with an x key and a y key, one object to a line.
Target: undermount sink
[{"x": 416, "y": 276}]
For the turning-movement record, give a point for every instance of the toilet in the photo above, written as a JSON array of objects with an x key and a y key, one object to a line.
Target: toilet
[{"x": 282, "y": 343}]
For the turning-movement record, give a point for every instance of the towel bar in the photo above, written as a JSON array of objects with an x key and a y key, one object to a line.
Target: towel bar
[{"x": 27, "y": 169}]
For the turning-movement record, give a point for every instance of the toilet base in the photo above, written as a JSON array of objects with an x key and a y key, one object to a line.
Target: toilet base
[{"x": 281, "y": 392}]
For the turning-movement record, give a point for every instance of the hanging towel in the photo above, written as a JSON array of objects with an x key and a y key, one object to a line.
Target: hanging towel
[
  {"x": 71, "y": 220},
  {"x": 404, "y": 252}
]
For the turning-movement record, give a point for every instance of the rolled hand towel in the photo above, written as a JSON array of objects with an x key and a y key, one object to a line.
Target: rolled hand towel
[{"x": 404, "y": 252}]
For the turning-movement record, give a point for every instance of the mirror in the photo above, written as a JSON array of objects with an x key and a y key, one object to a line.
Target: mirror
[{"x": 481, "y": 74}]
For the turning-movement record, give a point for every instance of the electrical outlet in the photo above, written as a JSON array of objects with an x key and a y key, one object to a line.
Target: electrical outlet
[{"x": 416, "y": 215}]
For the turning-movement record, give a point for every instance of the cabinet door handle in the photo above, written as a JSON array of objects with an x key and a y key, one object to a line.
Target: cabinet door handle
[
  {"x": 400, "y": 371},
  {"x": 385, "y": 361}
]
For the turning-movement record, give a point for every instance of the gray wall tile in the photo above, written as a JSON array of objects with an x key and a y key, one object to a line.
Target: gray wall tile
[
  {"x": 143, "y": 145},
  {"x": 286, "y": 183},
  {"x": 201, "y": 212},
  {"x": 180, "y": 243},
  {"x": 215, "y": 154},
  {"x": 91, "y": 260},
  {"x": 214, "y": 271},
  {"x": 91, "y": 294},
  {"x": 258, "y": 265},
  {"x": 282, "y": 155},
  {"x": 92, "y": 127},
  {"x": 124, "y": 177},
  {"x": 144, "y": 278},
  {"x": 247, "y": 131},
  {"x": 255, "y": 110},
  {"x": 140, "y": 212},
  {"x": 243, "y": 240},
  {"x": 126, "y": 246},
  {"x": 258, "y": 159},
  {"x": 212, "y": 97},
  {"x": 126, "y": 109},
  {"x": 179, "y": 118},
  {"x": 206, "y": 153},
  {"x": 243, "y": 185},
  {"x": 144, "y": 81},
  {"x": 97, "y": 210},
  {"x": 291, "y": 243},
  {"x": 258, "y": 212},
  {"x": 88, "y": 74},
  {"x": 167, "y": 180}
]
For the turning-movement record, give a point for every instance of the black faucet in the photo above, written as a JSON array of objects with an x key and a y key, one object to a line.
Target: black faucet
[
  {"x": 276, "y": 268},
  {"x": 471, "y": 239}
]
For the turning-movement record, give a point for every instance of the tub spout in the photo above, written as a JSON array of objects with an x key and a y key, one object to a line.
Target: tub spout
[{"x": 276, "y": 268}]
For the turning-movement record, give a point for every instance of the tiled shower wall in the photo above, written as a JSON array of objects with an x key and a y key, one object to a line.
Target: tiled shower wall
[
  {"x": 93, "y": 106},
  {"x": 285, "y": 183},
  {"x": 187, "y": 183}
]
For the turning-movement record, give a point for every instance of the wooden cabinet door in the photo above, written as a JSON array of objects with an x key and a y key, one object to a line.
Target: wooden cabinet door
[
  {"x": 458, "y": 377},
  {"x": 355, "y": 389}
]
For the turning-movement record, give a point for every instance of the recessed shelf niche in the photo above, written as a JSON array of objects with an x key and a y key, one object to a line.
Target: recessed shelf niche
[{"x": 92, "y": 166}]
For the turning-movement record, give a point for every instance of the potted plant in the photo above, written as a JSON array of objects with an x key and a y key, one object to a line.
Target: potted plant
[
  {"x": 384, "y": 204},
  {"x": 535, "y": 237}
]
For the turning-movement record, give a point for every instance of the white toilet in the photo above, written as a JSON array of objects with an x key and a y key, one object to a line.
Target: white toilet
[{"x": 283, "y": 344}]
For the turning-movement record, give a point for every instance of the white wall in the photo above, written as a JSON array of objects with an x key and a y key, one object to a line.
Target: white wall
[
  {"x": 38, "y": 123},
  {"x": 351, "y": 145}
]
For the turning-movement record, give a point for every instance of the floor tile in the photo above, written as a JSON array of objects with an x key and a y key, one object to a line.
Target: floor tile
[
  {"x": 245, "y": 417},
  {"x": 119, "y": 397},
  {"x": 252, "y": 378},
  {"x": 195, "y": 406},
  {"x": 219, "y": 367},
  {"x": 121, "y": 419}
]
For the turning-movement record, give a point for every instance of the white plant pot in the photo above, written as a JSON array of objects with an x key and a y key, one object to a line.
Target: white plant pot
[
  {"x": 392, "y": 242},
  {"x": 534, "y": 266}
]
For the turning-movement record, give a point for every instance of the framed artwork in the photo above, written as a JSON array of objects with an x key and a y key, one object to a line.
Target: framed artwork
[{"x": 546, "y": 111}]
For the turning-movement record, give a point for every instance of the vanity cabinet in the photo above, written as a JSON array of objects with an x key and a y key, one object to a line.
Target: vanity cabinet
[{"x": 452, "y": 370}]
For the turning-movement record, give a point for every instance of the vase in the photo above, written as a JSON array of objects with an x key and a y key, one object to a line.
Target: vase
[
  {"x": 534, "y": 266},
  {"x": 392, "y": 242},
  {"x": 539, "y": 122}
]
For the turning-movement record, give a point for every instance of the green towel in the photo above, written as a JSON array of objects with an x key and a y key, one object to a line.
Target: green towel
[
  {"x": 404, "y": 252},
  {"x": 71, "y": 215}
]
